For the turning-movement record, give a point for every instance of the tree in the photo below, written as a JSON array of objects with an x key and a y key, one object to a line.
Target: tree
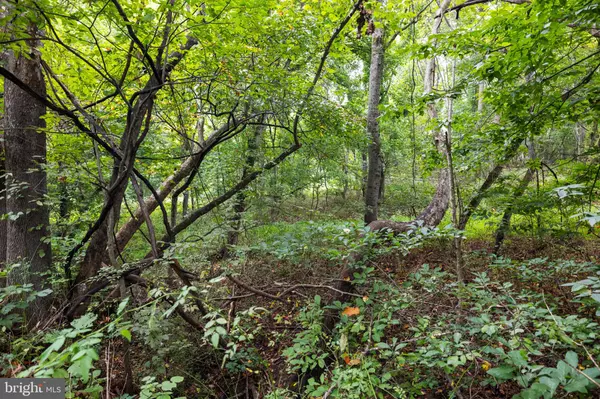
[
  {"x": 433, "y": 214},
  {"x": 27, "y": 240},
  {"x": 375, "y": 164}
]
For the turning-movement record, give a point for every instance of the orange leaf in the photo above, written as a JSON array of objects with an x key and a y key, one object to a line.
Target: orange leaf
[
  {"x": 347, "y": 359},
  {"x": 350, "y": 311},
  {"x": 354, "y": 362}
]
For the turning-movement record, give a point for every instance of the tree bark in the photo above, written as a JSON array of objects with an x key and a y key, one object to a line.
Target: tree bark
[
  {"x": 346, "y": 177},
  {"x": 174, "y": 203},
  {"x": 186, "y": 202},
  {"x": 382, "y": 184},
  {"x": 491, "y": 178},
  {"x": 508, "y": 212},
  {"x": 2, "y": 204},
  {"x": 239, "y": 206},
  {"x": 27, "y": 235},
  {"x": 374, "y": 151},
  {"x": 365, "y": 170}
]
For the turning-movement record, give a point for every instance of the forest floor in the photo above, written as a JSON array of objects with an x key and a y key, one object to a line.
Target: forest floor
[{"x": 277, "y": 328}]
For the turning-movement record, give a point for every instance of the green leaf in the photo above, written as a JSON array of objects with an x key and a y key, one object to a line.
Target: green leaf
[
  {"x": 221, "y": 331},
  {"x": 214, "y": 339},
  {"x": 577, "y": 384},
  {"x": 176, "y": 379},
  {"x": 122, "y": 305},
  {"x": 44, "y": 293},
  {"x": 126, "y": 334},
  {"x": 318, "y": 300},
  {"x": 536, "y": 391},
  {"x": 562, "y": 371},
  {"x": 167, "y": 385},
  {"x": 519, "y": 358},
  {"x": 502, "y": 372},
  {"x": 551, "y": 383},
  {"x": 571, "y": 358},
  {"x": 56, "y": 345},
  {"x": 592, "y": 373}
]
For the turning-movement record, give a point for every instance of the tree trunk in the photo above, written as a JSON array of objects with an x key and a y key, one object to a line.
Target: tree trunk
[
  {"x": 2, "y": 205},
  {"x": 374, "y": 151},
  {"x": 365, "y": 171},
  {"x": 136, "y": 127},
  {"x": 346, "y": 177},
  {"x": 594, "y": 135},
  {"x": 174, "y": 201},
  {"x": 25, "y": 145},
  {"x": 508, "y": 212},
  {"x": 239, "y": 206},
  {"x": 382, "y": 184},
  {"x": 186, "y": 202}
]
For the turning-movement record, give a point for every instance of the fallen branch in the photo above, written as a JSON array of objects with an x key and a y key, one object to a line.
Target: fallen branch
[{"x": 280, "y": 296}]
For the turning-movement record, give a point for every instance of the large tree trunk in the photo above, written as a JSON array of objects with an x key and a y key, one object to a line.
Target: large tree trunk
[
  {"x": 382, "y": 183},
  {"x": 374, "y": 152},
  {"x": 27, "y": 240},
  {"x": 365, "y": 170}
]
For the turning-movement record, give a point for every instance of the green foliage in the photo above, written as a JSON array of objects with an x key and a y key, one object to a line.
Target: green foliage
[
  {"x": 588, "y": 291},
  {"x": 306, "y": 353},
  {"x": 390, "y": 343},
  {"x": 151, "y": 389},
  {"x": 512, "y": 74},
  {"x": 14, "y": 299}
]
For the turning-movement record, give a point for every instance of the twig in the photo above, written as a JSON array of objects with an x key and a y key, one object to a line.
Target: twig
[
  {"x": 279, "y": 297},
  {"x": 330, "y": 390}
]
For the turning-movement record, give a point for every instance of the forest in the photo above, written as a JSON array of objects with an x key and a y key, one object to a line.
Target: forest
[{"x": 287, "y": 199}]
